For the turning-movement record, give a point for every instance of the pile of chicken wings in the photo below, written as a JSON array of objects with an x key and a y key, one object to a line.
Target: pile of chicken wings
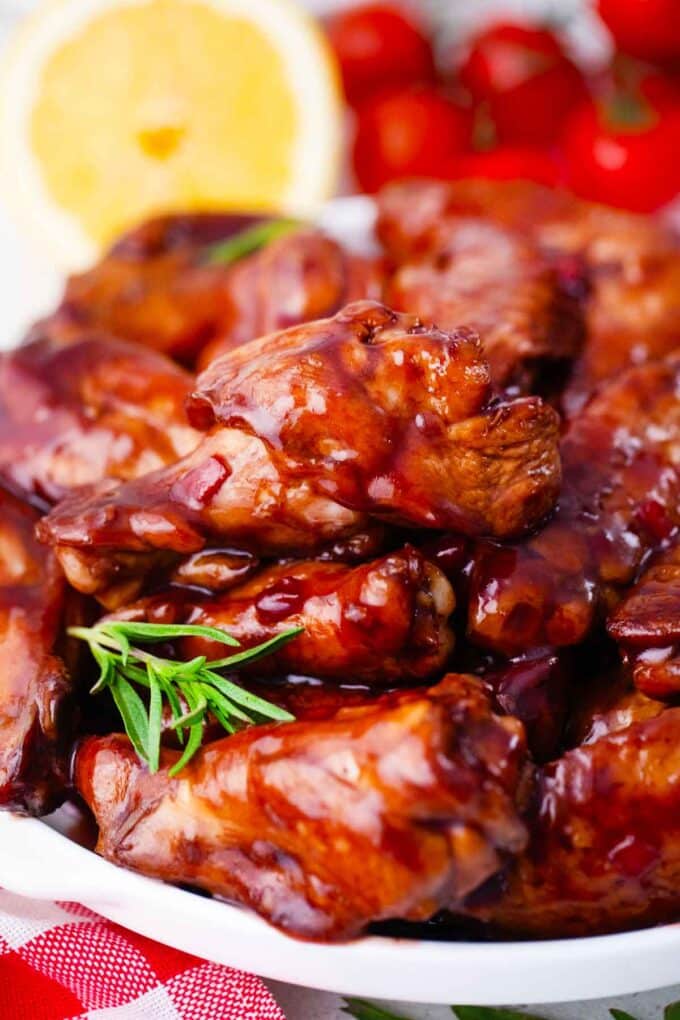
[{"x": 456, "y": 465}]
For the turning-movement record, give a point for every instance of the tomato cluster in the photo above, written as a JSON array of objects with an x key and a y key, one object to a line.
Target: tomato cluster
[{"x": 516, "y": 105}]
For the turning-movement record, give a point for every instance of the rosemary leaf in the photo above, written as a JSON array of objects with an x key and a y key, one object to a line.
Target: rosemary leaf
[
  {"x": 155, "y": 717},
  {"x": 192, "y": 689},
  {"x": 150, "y": 632},
  {"x": 248, "y": 700},
  {"x": 133, "y": 714},
  {"x": 258, "y": 651},
  {"x": 247, "y": 241}
]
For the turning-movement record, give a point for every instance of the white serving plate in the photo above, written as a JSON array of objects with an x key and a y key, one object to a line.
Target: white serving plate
[{"x": 42, "y": 860}]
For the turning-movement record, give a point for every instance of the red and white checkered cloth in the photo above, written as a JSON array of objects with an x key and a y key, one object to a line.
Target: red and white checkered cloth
[{"x": 59, "y": 961}]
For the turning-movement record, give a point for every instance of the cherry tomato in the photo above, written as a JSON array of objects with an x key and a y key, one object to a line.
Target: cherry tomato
[
  {"x": 377, "y": 47},
  {"x": 624, "y": 152},
  {"x": 526, "y": 80},
  {"x": 408, "y": 133},
  {"x": 508, "y": 163},
  {"x": 646, "y": 28}
]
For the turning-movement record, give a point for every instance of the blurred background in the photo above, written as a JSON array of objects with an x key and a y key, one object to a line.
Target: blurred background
[{"x": 107, "y": 118}]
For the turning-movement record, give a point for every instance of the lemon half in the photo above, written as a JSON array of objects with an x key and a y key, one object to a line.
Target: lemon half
[{"x": 111, "y": 110}]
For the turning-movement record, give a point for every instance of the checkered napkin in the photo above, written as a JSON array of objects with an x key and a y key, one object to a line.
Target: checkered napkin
[{"x": 59, "y": 961}]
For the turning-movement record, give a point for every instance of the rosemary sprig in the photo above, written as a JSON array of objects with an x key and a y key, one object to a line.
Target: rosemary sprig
[
  {"x": 192, "y": 689},
  {"x": 247, "y": 241}
]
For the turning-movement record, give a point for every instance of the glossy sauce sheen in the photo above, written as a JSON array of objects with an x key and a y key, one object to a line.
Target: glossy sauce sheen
[
  {"x": 647, "y": 626},
  {"x": 605, "y": 825},
  {"x": 309, "y": 432},
  {"x": 496, "y": 281},
  {"x": 629, "y": 264},
  {"x": 619, "y": 502},
  {"x": 394, "y": 808},
  {"x": 380, "y": 623},
  {"x": 88, "y": 408},
  {"x": 36, "y": 718}
]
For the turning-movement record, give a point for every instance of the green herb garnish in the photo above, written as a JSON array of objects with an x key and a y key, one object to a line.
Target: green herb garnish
[
  {"x": 620, "y": 1014},
  {"x": 192, "y": 689},
  {"x": 247, "y": 241}
]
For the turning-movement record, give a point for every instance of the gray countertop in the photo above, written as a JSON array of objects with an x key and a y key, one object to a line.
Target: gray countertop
[{"x": 305, "y": 1004}]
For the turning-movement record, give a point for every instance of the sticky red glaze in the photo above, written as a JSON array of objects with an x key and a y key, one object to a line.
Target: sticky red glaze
[
  {"x": 605, "y": 829},
  {"x": 383, "y": 622},
  {"x": 75, "y": 412},
  {"x": 34, "y": 686},
  {"x": 616, "y": 456},
  {"x": 393, "y": 808},
  {"x": 366, "y": 413},
  {"x": 647, "y": 626},
  {"x": 535, "y": 689},
  {"x": 632, "y": 262},
  {"x": 158, "y": 287},
  {"x": 498, "y": 282},
  {"x": 374, "y": 393},
  {"x": 296, "y": 278}
]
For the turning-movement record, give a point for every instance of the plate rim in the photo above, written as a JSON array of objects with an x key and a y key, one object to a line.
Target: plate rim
[{"x": 39, "y": 862}]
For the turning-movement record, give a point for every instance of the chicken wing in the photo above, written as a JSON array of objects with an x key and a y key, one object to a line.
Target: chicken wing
[
  {"x": 390, "y": 809},
  {"x": 160, "y": 286},
  {"x": 34, "y": 686},
  {"x": 604, "y": 851},
  {"x": 632, "y": 262},
  {"x": 156, "y": 287},
  {"x": 312, "y": 430},
  {"x": 497, "y": 282},
  {"x": 296, "y": 278},
  {"x": 647, "y": 626},
  {"x": 620, "y": 500},
  {"x": 381, "y": 622},
  {"x": 72, "y": 414}
]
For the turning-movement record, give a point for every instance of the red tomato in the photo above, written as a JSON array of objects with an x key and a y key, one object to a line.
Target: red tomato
[
  {"x": 646, "y": 28},
  {"x": 378, "y": 47},
  {"x": 624, "y": 154},
  {"x": 527, "y": 81},
  {"x": 408, "y": 133},
  {"x": 508, "y": 163}
]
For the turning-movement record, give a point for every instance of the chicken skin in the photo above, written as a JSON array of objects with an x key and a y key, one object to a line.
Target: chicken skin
[
  {"x": 497, "y": 282},
  {"x": 72, "y": 414},
  {"x": 605, "y": 836},
  {"x": 381, "y": 622},
  {"x": 296, "y": 278},
  {"x": 156, "y": 286},
  {"x": 34, "y": 686},
  {"x": 164, "y": 286},
  {"x": 632, "y": 263},
  {"x": 647, "y": 627},
  {"x": 620, "y": 501},
  {"x": 313, "y": 432},
  {"x": 390, "y": 809}
]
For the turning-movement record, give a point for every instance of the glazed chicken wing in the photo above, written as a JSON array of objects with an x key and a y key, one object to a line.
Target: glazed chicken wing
[
  {"x": 313, "y": 429},
  {"x": 647, "y": 626},
  {"x": 296, "y": 278},
  {"x": 72, "y": 414},
  {"x": 381, "y": 622},
  {"x": 492, "y": 279},
  {"x": 156, "y": 287},
  {"x": 34, "y": 686},
  {"x": 391, "y": 809},
  {"x": 620, "y": 500},
  {"x": 604, "y": 853},
  {"x": 632, "y": 263},
  {"x": 163, "y": 286}
]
